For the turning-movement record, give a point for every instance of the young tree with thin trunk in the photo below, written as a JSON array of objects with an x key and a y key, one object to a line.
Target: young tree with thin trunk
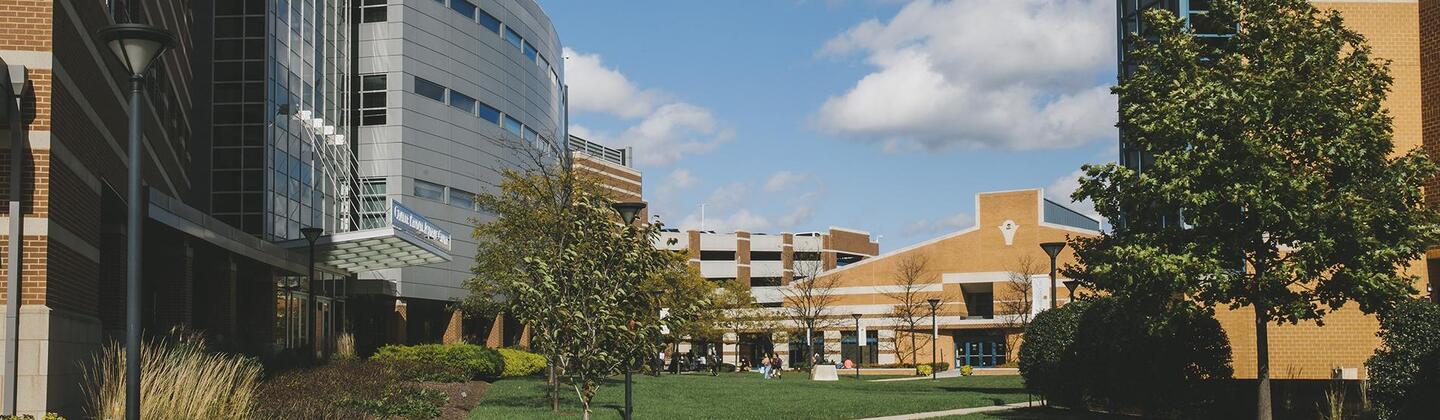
[
  {"x": 911, "y": 310},
  {"x": 1271, "y": 179},
  {"x": 809, "y": 299},
  {"x": 1018, "y": 303}
]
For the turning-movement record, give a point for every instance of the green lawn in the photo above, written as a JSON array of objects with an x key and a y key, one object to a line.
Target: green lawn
[
  {"x": 748, "y": 396},
  {"x": 1037, "y": 413}
]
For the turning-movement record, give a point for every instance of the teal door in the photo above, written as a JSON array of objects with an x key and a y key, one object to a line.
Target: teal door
[{"x": 979, "y": 351}]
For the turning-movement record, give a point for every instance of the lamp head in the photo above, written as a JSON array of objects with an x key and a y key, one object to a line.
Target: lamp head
[
  {"x": 856, "y": 316},
  {"x": 136, "y": 45},
  {"x": 934, "y": 303},
  {"x": 1072, "y": 285},
  {"x": 629, "y": 210},
  {"x": 312, "y": 234},
  {"x": 1052, "y": 248}
]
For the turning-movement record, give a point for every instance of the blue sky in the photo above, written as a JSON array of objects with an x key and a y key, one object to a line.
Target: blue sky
[{"x": 879, "y": 115}]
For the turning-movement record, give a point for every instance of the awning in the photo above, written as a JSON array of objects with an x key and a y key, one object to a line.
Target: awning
[
  {"x": 371, "y": 249},
  {"x": 409, "y": 240}
]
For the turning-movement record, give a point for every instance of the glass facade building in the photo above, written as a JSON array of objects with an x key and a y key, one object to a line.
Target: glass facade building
[{"x": 282, "y": 154}]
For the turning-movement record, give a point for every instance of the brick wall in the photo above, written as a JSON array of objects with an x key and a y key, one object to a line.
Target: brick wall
[{"x": 26, "y": 23}]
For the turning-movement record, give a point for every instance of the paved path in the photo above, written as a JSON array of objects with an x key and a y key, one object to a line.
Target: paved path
[
  {"x": 955, "y": 412},
  {"x": 946, "y": 374}
]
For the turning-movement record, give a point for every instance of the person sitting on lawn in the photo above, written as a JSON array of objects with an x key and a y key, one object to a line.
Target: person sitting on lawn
[{"x": 849, "y": 364}]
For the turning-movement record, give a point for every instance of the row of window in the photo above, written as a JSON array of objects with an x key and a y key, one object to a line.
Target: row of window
[
  {"x": 450, "y": 195},
  {"x": 481, "y": 109},
  {"x": 756, "y": 256},
  {"x": 376, "y": 11}
]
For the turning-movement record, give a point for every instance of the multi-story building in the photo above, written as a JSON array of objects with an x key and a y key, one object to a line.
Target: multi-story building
[
  {"x": 267, "y": 117},
  {"x": 613, "y": 168},
  {"x": 1401, "y": 31},
  {"x": 988, "y": 277},
  {"x": 450, "y": 94}
]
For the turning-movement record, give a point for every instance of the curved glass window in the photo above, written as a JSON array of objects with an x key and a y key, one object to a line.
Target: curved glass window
[
  {"x": 429, "y": 89},
  {"x": 512, "y": 125},
  {"x": 462, "y": 102},
  {"x": 514, "y": 38},
  {"x": 488, "y": 21},
  {"x": 464, "y": 7}
]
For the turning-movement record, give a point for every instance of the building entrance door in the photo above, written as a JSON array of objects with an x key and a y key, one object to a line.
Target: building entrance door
[{"x": 979, "y": 350}]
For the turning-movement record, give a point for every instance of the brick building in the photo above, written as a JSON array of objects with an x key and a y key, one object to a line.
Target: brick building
[
  {"x": 989, "y": 278},
  {"x": 1407, "y": 33}
]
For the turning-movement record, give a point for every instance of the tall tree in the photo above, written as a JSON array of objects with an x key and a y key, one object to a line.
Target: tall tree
[
  {"x": 587, "y": 285},
  {"x": 809, "y": 299},
  {"x": 911, "y": 310},
  {"x": 1018, "y": 304},
  {"x": 1271, "y": 180}
]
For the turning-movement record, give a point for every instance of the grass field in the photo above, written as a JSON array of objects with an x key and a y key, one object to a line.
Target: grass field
[{"x": 747, "y": 396}]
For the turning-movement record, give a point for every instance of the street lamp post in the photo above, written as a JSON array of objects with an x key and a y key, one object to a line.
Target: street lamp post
[
  {"x": 629, "y": 211},
  {"x": 1053, "y": 249},
  {"x": 137, "y": 46},
  {"x": 312, "y": 234},
  {"x": 860, "y": 350},
  {"x": 934, "y": 337}
]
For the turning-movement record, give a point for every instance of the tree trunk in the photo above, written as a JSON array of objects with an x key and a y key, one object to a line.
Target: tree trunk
[
  {"x": 913, "y": 348},
  {"x": 1263, "y": 408},
  {"x": 554, "y": 391}
]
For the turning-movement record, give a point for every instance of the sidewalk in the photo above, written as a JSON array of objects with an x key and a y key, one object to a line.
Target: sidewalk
[
  {"x": 946, "y": 374},
  {"x": 955, "y": 412}
]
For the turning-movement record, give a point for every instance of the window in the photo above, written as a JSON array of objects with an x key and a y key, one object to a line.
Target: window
[
  {"x": 464, "y": 7},
  {"x": 764, "y": 255},
  {"x": 373, "y": 11},
  {"x": 372, "y": 99},
  {"x": 529, "y": 135},
  {"x": 429, "y": 89},
  {"x": 372, "y": 203},
  {"x": 462, "y": 102},
  {"x": 488, "y": 113},
  {"x": 717, "y": 255},
  {"x": 512, "y": 125},
  {"x": 529, "y": 51},
  {"x": 462, "y": 199},
  {"x": 980, "y": 305},
  {"x": 513, "y": 37},
  {"x": 429, "y": 190},
  {"x": 807, "y": 256},
  {"x": 764, "y": 281},
  {"x": 544, "y": 64},
  {"x": 489, "y": 21}
]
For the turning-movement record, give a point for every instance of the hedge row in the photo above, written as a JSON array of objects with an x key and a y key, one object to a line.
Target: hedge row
[
  {"x": 457, "y": 362},
  {"x": 1109, "y": 353},
  {"x": 1405, "y": 371}
]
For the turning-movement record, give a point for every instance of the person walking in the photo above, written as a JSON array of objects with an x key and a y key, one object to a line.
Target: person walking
[
  {"x": 775, "y": 367},
  {"x": 765, "y": 367}
]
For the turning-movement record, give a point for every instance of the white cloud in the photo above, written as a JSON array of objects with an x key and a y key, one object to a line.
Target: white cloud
[
  {"x": 742, "y": 219},
  {"x": 678, "y": 180},
  {"x": 946, "y": 224},
  {"x": 663, "y": 131},
  {"x": 800, "y": 215},
  {"x": 1011, "y": 74},
  {"x": 596, "y": 88},
  {"x": 784, "y": 179},
  {"x": 1059, "y": 191}
]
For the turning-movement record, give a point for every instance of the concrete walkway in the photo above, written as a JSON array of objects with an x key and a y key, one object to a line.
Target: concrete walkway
[
  {"x": 955, "y": 412},
  {"x": 946, "y": 374}
]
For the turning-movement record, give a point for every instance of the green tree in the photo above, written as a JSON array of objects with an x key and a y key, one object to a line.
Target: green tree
[
  {"x": 589, "y": 287},
  {"x": 1270, "y": 178}
]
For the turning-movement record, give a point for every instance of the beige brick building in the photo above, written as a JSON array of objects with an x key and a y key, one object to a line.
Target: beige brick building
[{"x": 990, "y": 278}]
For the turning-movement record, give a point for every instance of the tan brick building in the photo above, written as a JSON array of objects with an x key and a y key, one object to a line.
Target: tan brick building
[
  {"x": 990, "y": 278},
  {"x": 1407, "y": 33}
]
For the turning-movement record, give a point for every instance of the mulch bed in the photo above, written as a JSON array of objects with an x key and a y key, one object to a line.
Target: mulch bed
[{"x": 463, "y": 396}]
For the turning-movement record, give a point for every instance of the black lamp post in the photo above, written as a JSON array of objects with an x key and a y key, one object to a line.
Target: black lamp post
[
  {"x": 312, "y": 234},
  {"x": 859, "y": 349},
  {"x": 628, "y": 211},
  {"x": 934, "y": 337},
  {"x": 137, "y": 46},
  {"x": 1053, "y": 249}
]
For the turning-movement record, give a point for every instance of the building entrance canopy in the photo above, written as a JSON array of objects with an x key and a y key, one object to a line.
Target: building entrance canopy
[{"x": 409, "y": 240}]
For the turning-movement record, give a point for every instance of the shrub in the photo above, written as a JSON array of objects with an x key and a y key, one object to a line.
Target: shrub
[
  {"x": 48, "y": 416},
  {"x": 967, "y": 370},
  {"x": 923, "y": 370},
  {"x": 345, "y": 390},
  {"x": 941, "y": 366},
  {"x": 442, "y": 362},
  {"x": 520, "y": 363},
  {"x": 1046, "y": 351},
  {"x": 1405, "y": 371},
  {"x": 179, "y": 380},
  {"x": 1151, "y": 358}
]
